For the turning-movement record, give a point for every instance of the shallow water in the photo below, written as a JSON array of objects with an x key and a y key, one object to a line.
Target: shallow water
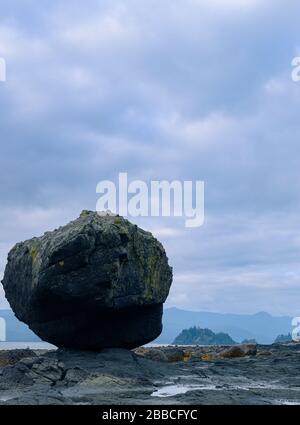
[
  {"x": 172, "y": 390},
  {"x": 289, "y": 402},
  {"x": 33, "y": 345},
  {"x": 6, "y": 397}
]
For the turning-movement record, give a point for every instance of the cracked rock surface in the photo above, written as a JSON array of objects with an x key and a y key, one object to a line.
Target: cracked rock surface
[
  {"x": 119, "y": 376},
  {"x": 98, "y": 282}
]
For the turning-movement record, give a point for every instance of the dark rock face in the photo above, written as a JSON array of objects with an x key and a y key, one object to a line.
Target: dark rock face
[
  {"x": 98, "y": 282},
  {"x": 122, "y": 377}
]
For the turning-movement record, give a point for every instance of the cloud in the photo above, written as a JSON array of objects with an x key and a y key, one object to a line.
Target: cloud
[{"x": 185, "y": 90}]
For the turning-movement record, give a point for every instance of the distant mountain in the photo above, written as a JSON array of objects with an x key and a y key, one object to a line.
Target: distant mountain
[
  {"x": 284, "y": 338},
  {"x": 198, "y": 336},
  {"x": 262, "y": 327},
  {"x": 249, "y": 341},
  {"x": 16, "y": 331}
]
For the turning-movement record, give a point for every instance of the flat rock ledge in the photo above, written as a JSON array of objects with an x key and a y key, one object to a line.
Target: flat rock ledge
[{"x": 164, "y": 375}]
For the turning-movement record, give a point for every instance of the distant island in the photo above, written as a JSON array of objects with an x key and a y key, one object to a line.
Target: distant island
[
  {"x": 198, "y": 336},
  {"x": 281, "y": 339},
  {"x": 262, "y": 327},
  {"x": 249, "y": 341}
]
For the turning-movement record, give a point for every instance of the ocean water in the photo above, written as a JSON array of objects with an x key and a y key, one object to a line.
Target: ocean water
[
  {"x": 33, "y": 345},
  {"x": 44, "y": 345},
  {"x": 173, "y": 390}
]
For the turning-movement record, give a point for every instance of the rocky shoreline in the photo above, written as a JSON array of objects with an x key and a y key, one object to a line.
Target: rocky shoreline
[{"x": 244, "y": 374}]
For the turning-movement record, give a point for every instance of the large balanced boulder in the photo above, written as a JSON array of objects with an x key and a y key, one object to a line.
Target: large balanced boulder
[{"x": 98, "y": 282}]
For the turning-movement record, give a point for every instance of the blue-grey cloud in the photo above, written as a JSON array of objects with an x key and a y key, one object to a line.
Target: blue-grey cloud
[{"x": 163, "y": 90}]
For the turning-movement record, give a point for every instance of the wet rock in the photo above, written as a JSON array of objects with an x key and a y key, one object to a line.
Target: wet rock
[
  {"x": 264, "y": 353},
  {"x": 249, "y": 349},
  {"x": 97, "y": 282},
  {"x": 239, "y": 351},
  {"x": 118, "y": 376},
  {"x": 74, "y": 375},
  {"x": 174, "y": 354},
  {"x": 232, "y": 352},
  {"x": 209, "y": 357},
  {"x": 11, "y": 357},
  {"x": 162, "y": 354},
  {"x": 156, "y": 355}
]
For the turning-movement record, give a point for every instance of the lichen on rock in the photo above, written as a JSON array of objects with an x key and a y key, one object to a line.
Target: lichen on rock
[{"x": 98, "y": 282}]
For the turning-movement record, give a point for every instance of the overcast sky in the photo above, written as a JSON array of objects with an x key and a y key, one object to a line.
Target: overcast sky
[{"x": 173, "y": 89}]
